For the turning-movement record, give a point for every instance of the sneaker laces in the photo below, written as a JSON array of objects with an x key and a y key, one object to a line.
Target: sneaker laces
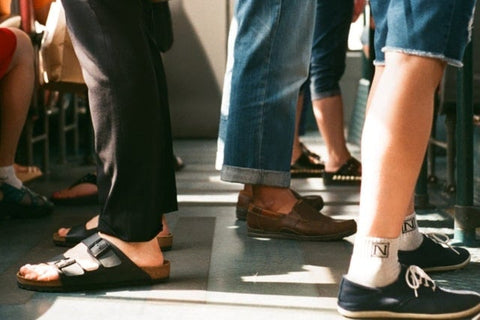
[
  {"x": 442, "y": 239},
  {"x": 415, "y": 277}
]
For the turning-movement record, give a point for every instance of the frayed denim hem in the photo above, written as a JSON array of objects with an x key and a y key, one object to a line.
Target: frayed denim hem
[
  {"x": 255, "y": 176},
  {"x": 440, "y": 56}
]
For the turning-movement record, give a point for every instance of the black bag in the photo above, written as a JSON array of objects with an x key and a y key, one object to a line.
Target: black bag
[{"x": 162, "y": 24}]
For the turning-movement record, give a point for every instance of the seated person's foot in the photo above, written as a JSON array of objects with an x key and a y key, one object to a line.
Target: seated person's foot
[
  {"x": 413, "y": 295},
  {"x": 435, "y": 254},
  {"x": 27, "y": 173},
  {"x": 69, "y": 237},
  {"x": 349, "y": 174},
  {"x": 178, "y": 163},
  {"x": 82, "y": 192},
  {"x": 100, "y": 261},
  {"x": 245, "y": 197},
  {"x": 307, "y": 164},
  {"x": 22, "y": 202},
  {"x": 279, "y": 214}
]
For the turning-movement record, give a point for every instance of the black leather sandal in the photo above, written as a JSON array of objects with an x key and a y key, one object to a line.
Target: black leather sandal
[
  {"x": 90, "y": 199},
  {"x": 308, "y": 164},
  {"x": 350, "y": 174},
  {"x": 96, "y": 264},
  {"x": 22, "y": 203}
]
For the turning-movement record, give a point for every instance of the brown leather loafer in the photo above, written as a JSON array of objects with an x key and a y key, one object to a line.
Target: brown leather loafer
[
  {"x": 303, "y": 223},
  {"x": 244, "y": 200}
]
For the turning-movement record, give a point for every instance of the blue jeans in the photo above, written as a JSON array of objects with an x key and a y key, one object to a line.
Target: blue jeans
[
  {"x": 438, "y": 29},
  {"x": 330, "y": 44},
  {"x": 271, "y": 54}
]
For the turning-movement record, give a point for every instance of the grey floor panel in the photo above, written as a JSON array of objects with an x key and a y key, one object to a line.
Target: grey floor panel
[{"x": 217, "y": 270}]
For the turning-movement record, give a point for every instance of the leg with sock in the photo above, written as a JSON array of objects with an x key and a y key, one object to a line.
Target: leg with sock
[
  {"x": 377, "y": 284},
  {"x": 16, "y": 87},
  {"x": 431, "y": 252}
]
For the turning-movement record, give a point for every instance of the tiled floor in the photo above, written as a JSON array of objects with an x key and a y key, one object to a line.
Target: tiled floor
[{"x": 217, "y": 271}]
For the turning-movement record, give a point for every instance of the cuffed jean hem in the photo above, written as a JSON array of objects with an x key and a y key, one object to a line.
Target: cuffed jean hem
[
  {"x": 326, "y": 94},
  {"x": 426, "y": 54},
  {"x": 255, "y": 176}
]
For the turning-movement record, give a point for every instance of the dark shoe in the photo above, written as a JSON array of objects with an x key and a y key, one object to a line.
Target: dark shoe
[
  {"x": 79, "y": 233},
  {"x": 96, "y": 264},
  {"x": 22, "y": 203},
  {"x": 350, "y": 174},
  {"x": 89, "y": 199},
  {"x": 412, "y": 295},
  {"x": 303, "y": 223},
  {"x": 307, "y": 165},
  {"x": 244, "y": 200},
  {"x": 434, "y": 254}
]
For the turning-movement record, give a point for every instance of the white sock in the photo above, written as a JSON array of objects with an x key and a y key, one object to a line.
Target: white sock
[
  {"x": 411, "y": 238},
  {"x": 374, "y": 262},
  {"x": 7, "y": 175}
]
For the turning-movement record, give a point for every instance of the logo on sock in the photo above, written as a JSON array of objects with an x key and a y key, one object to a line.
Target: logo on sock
[
  {"x": 409, "y": 225},
  {"x": 380, "y": 250}
]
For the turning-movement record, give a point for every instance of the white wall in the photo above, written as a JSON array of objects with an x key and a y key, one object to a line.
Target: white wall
[{"x": 195, "y": 65}]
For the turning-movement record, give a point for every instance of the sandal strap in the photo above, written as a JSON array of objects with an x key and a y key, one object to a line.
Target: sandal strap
[
  {"x": 309, "y": 153},
  {"x": 79, "y": 232},
  {"x": 23, "y": 196},
  {"x": 352, "y": 168},
  {"x": 96, "y": 261}
]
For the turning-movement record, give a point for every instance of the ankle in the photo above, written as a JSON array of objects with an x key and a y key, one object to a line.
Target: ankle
[
  {"x": 335, "y": 161},
  {"x": 277, "y": 199},
  {"x": 374, "y": 261},
  {"x": 7, "y": 175},
  {"x": 143, "y": 254}
]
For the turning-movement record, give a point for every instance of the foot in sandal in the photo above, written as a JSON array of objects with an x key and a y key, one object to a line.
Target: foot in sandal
[
  {"x": 84, "y": 191},
  {"x": 69, "y": 237},
  {"x": 98, "y": 262}
]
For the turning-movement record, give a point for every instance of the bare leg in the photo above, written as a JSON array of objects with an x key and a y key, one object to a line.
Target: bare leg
[
  {"x": 396, "y": 132},
  {"x": 16, "y": 88},
  {"x": 329, "y": 116},
  {"x": 297, "y": 149}
]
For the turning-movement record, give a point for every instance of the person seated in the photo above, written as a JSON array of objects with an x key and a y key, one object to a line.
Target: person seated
[{"x": 16, "y": 88}]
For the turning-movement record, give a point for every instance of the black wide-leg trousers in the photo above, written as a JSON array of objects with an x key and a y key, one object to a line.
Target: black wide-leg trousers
[{"x": 128, "y": 99}]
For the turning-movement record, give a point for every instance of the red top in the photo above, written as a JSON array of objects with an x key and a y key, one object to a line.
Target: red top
[{"x": 8, "y": 44}]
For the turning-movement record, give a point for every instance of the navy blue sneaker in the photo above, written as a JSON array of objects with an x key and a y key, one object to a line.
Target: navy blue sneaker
[
  {"x": 434, "y": 254},
  {"x": 413, "y": 295}
]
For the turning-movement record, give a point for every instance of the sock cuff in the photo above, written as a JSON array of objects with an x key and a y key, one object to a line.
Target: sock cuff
[
  {"x": 373, "y": 247},
  {"x": 410, "y": 223}
]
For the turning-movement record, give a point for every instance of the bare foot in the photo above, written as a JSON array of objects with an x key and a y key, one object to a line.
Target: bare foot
[
  {"x": 93, "y": 223},
  {"x": 80, "y": 190},
  {"x": 143, "y": 254},
  {"x": 26, "y": 173},
  {"x": 276, "y": 199}
]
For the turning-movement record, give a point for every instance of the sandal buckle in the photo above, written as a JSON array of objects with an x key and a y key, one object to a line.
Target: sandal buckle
[
  {"x": 99, "y": 247},
  {"x": 64, "y": 263}
]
